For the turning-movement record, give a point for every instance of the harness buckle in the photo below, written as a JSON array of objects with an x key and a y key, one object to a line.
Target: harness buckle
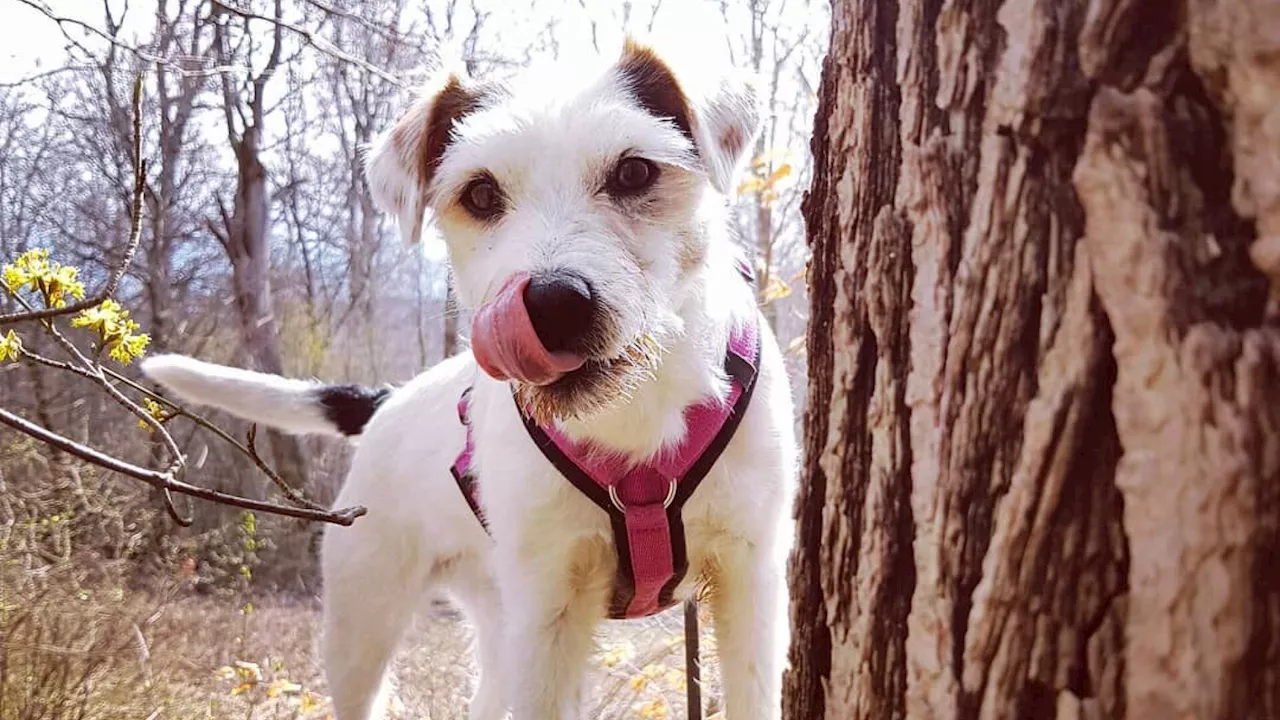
[{"x": 666, "y": 503}]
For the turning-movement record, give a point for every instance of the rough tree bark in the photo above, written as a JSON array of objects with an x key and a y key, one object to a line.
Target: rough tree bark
[{"x": 1043, "y": 431}]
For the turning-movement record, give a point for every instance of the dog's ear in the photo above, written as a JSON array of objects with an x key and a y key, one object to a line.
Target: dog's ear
[
  {"x": 718, "y": 112},
  {"x": 402, "y": 162}
]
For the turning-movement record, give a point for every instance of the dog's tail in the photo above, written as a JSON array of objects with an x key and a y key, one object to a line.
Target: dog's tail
[{"x": 295, "y": 406}]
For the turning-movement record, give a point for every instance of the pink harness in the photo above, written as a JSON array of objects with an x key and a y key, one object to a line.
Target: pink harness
[{"x": 643, "y": 501}]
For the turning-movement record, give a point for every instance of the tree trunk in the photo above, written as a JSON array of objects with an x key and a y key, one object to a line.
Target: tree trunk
[
  {"x": 1042, "y": 472},
  {"x": 450, "y": 320},
  {"x": 249, "y": 248}
]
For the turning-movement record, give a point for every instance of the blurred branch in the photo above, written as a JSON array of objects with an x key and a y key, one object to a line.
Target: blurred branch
[
  {"x": 168, "y": 481},
  {"x": 63, "y": 21},
  {"x": 98, "y": 374},
  {"x": 383, "y": 31},
  {"x": 251, "y": 451},
  {"x": 135, "y": 231},
  {"x": 137, "y": 52},
  {"x": 41, "y": 75},
  {"x": 311, "y": 38}
]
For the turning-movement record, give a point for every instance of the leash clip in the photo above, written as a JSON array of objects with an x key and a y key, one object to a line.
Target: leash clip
[{"x": 666, "y": 503}]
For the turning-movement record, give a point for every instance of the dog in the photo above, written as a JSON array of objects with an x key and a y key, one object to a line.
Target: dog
[{"x": 587, "y": 225}]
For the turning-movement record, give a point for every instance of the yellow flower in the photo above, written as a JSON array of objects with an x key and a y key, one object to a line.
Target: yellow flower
[
  {"x": 249, "y": 672},
  {"x": 54, "y": 282},
  {"x": 128, "y": 347},
  {"x": 310, "y": 701},
  {"x": 16, "y": 278},
  {"x": 282, "y": 686},
  {"x": 155, "y": 410},
  {"x": 10, "y": 346},
  {"x": 616, "y": 655},
  {"x": 60, "y": 283},
  {"x": 656, "y": 708},
  {"x": 101, "y": 318},
  {"x": 225, "y": 673},
  {"x": 120, "y": 336},
  {"x": 26, "y": 270}
]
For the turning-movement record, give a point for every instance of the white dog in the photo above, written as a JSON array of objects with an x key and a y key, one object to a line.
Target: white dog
[{"x": 587, "y": 225}]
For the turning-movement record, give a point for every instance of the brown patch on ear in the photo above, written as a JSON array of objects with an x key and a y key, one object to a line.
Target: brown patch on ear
[
  {"x": 454, "y": 101},
  {"x": 654, "y": 86},
  {"x": 732, "y": 142}
]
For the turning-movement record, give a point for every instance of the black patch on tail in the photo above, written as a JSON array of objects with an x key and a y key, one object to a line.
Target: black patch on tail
[{"x": 349, "y": 407}]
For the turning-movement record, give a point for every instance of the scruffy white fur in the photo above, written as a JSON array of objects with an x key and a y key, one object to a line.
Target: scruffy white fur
[{"x": 538, "y": 588}]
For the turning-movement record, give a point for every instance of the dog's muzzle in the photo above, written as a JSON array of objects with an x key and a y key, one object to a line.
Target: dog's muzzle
[{"x": 535, "y": 329}]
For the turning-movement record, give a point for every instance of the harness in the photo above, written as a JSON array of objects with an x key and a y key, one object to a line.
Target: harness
[{"x": 644, "y": 501}]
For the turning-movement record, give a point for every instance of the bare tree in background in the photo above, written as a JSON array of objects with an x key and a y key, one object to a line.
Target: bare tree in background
[
  {"x": 769, "y": 54},
  {"x": 244, "y": 231},
  {"x": 257, "y": 239},
  {"x": 781, "y": 42},
  {"x": 1042, "y": 472}
]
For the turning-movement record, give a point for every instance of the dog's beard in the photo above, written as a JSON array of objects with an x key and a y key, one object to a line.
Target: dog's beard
[{"x": 597, "y": 386}]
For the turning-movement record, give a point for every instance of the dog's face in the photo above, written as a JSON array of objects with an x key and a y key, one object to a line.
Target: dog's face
[{"x": 574, "y": 217}]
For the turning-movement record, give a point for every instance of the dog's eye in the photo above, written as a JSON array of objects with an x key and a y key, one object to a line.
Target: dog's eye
[
  {"x": 631, "y": 176},
  {"x": 481, "y": 198}
]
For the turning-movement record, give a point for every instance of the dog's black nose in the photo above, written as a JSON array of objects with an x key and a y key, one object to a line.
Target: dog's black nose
[{"x": 562, "y": 310}]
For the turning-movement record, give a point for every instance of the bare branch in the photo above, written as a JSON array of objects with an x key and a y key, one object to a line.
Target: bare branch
[
  {"x": 135, "y": 231},
  {"x": 41, "y": 75},
  {"x": 63, "y": 21},
  {"x": 114, "y": 42},
  {"x": 313, "y": 39},
  {"x": 168, "y": 482}
]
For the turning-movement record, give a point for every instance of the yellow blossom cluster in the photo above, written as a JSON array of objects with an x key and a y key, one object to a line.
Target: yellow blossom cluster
[
  {"x": 10, "y": 346},
  {"x": 155, "y": 410},
  {"x": 655, "y": 679},
  {"x": 657, "y": 709},
  {"x": 52, "y": 281},
  {"x": 247, "y": 678},
  {"x": 119, "y": 333}
]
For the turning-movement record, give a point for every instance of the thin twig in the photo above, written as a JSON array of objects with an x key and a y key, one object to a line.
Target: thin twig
[
  {"x": 43, "y": 74},
  {"x": 167, "y": 481},
  {"x": 135, "y": 231},
  {"x": 170, "y": 64},
  {"x": 312, "y": 39},
  {"x": 250, "y": 451},
  {"x": 289, "y": 492},
  {"x": 94, "y": 371}
]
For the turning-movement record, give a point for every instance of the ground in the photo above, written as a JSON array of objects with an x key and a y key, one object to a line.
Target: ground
[{"x": 102, "y": 655}]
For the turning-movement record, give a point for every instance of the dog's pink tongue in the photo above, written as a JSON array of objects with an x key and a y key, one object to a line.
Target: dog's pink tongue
[{"x": 507, "y": 347}]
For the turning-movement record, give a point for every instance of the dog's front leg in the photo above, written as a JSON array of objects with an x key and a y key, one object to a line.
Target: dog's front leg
[
  {"x": 552, "y": 602},
  {"x": 749, "y": 602}
]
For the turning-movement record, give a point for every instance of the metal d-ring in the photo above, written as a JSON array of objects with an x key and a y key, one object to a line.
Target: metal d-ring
[{"x": 666, "y": 503}]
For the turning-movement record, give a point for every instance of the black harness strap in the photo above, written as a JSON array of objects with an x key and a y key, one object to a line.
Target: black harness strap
[
  {"x": 466, "y": 477},
  {"x": 744, "y": 372}
]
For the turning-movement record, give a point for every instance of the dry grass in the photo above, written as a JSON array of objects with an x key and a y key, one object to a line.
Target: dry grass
[
  {"x": 99, "y": 655},
  {"x": 107, "y": 614}
]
